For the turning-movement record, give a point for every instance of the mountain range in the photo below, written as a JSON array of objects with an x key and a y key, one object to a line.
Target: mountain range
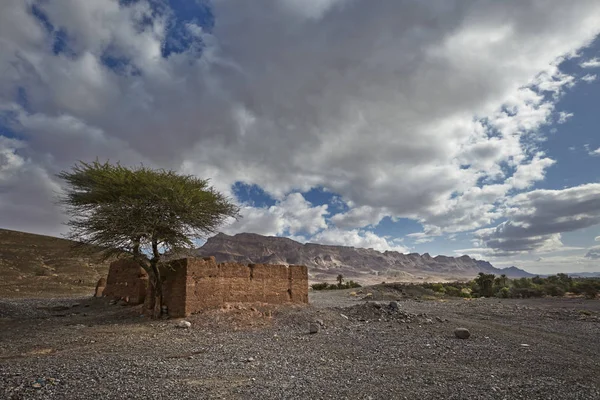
[{"x": 325, "y": 262}]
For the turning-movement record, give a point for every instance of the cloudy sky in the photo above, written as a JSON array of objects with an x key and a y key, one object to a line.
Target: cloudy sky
[{"x": 448, "y": 127}]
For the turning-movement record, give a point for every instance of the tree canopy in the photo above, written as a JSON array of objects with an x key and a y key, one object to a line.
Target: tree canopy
[{"x": 140, "y": 211}]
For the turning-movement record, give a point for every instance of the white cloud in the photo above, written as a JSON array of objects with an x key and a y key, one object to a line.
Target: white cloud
[
  {"x": 421, "y": 237},
  {"x": 291, "y": 215},
  {"x": 591, "y": 63},
  {"x": 594, "y": 152},
  {"x": 356, "y": 238},
  {"x": 597, "y": 239},
  {"x": 311, "y": 9},
  {"x": 593, "y": 253},
  {"x": 564, "y": 116},
  {"x": 535, "y": 220},
  {"x": 589, "y": 78},
  {"x": 358, "y": 217},
  {"x": 405, "y": 118}
]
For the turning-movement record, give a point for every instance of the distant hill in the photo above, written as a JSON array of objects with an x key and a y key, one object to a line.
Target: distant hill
[
  {"x": 43, "y": 266},
  {"x": 326, "y": 262}
]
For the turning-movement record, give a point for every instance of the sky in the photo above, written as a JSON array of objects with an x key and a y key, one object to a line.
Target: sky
[{"x": 447, "y": 127}]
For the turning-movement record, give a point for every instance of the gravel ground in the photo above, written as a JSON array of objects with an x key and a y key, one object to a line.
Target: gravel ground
[{"x": 88, "y": 349}]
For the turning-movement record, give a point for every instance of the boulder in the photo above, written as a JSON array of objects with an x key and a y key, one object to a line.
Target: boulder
[
  {"x": 183, "y": 324},
  {"x": 314, "y": 328},
  {"x": 462, "y": 333}
]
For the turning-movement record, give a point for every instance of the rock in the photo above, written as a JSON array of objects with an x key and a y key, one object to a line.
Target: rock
[
  {"x": 439, "y": 319},
  {"x": 184, "y": 324},
  {"x": 250, "y": 359},
  {"x": 524, "y": 345},
  {"x": 314, "y": 328},
  {"x": 320, "y": 322},
  {"x": 428, "y": 321},
  {"x": 344, "y": 316},
  {"x": 462, "y": 333},
  {"x": 393, "y": 306}
]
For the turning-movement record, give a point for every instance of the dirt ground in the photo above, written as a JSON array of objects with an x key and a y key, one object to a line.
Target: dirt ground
[{"x": 83, "y": 348}]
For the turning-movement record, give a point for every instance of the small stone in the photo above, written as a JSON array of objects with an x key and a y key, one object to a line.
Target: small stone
[
  {"x": 394, "y": 306},
  {"x": 524, "y": 345},
  {"x": 320, "y": 322},
  {"x": 314, "y": 328},
  {"x": 250, "y": 359},
  {"x": 344, "y": 316},
  {"x": 462, "y": 333},
  {"x": 429, "y": 321},
  {"x": 438, "y": 319},
  {"x": 184, "y": 324}
]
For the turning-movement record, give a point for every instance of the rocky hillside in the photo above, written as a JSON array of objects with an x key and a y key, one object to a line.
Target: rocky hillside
[
  {"x": 43, "y": 266},
  {"x": 326, "y": 262}
]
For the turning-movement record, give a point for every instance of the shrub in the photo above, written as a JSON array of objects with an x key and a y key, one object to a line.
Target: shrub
[
  {"x": 525, "y": 293},
  {"x": 588, "y": 287},
  {"x": 320, "y": 286},
  {"x": 503, "y": 293},
  {"x": 553, "y": 290},
  {"x": 452, "y": 291},
  {"x": 438, "y": 287},
  {"x": 335, "y": 286}
]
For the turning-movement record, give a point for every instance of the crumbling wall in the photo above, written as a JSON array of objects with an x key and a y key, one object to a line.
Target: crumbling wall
[
  {"x": 126, "y": 280},
  {"x": 194, "y": 284}
]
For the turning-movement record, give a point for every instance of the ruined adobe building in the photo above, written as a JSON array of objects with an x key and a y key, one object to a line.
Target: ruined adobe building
[
  {"x": 194, "y": 284},
  {"x": 126, "y": 280}
]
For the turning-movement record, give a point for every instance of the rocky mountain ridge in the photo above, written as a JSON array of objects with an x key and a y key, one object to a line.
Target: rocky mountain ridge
[{"x": 325, "y": 262}]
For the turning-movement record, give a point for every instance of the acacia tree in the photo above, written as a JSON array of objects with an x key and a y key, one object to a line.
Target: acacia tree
[{"x": 140, "y": 212}]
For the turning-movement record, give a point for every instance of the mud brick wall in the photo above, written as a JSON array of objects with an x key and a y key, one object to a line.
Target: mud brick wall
[
  {"x": 126, "y": 280},
  {"x": 194, "y": 284}
]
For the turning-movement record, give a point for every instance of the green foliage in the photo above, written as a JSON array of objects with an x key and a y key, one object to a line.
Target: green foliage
[
  {"x": 587, "y": 287},
  {"x": 452, "y": 291},
  {"x": 129, "y": 209},
  {"x": 489, "y": 285},
  {"x": 503, "y": 292},
  {"x": 485, "y": 284},
  {"x": 320, "y": 286},
  {"x": 333, "y": 286}
]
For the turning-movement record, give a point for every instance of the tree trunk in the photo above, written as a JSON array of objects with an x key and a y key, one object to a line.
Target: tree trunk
[
  {"x": 157, "y": 286},
  {"x": 156, "y": 299}
]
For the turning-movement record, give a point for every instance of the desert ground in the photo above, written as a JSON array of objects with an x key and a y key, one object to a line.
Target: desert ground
[{"x": 373, "y": 348}]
